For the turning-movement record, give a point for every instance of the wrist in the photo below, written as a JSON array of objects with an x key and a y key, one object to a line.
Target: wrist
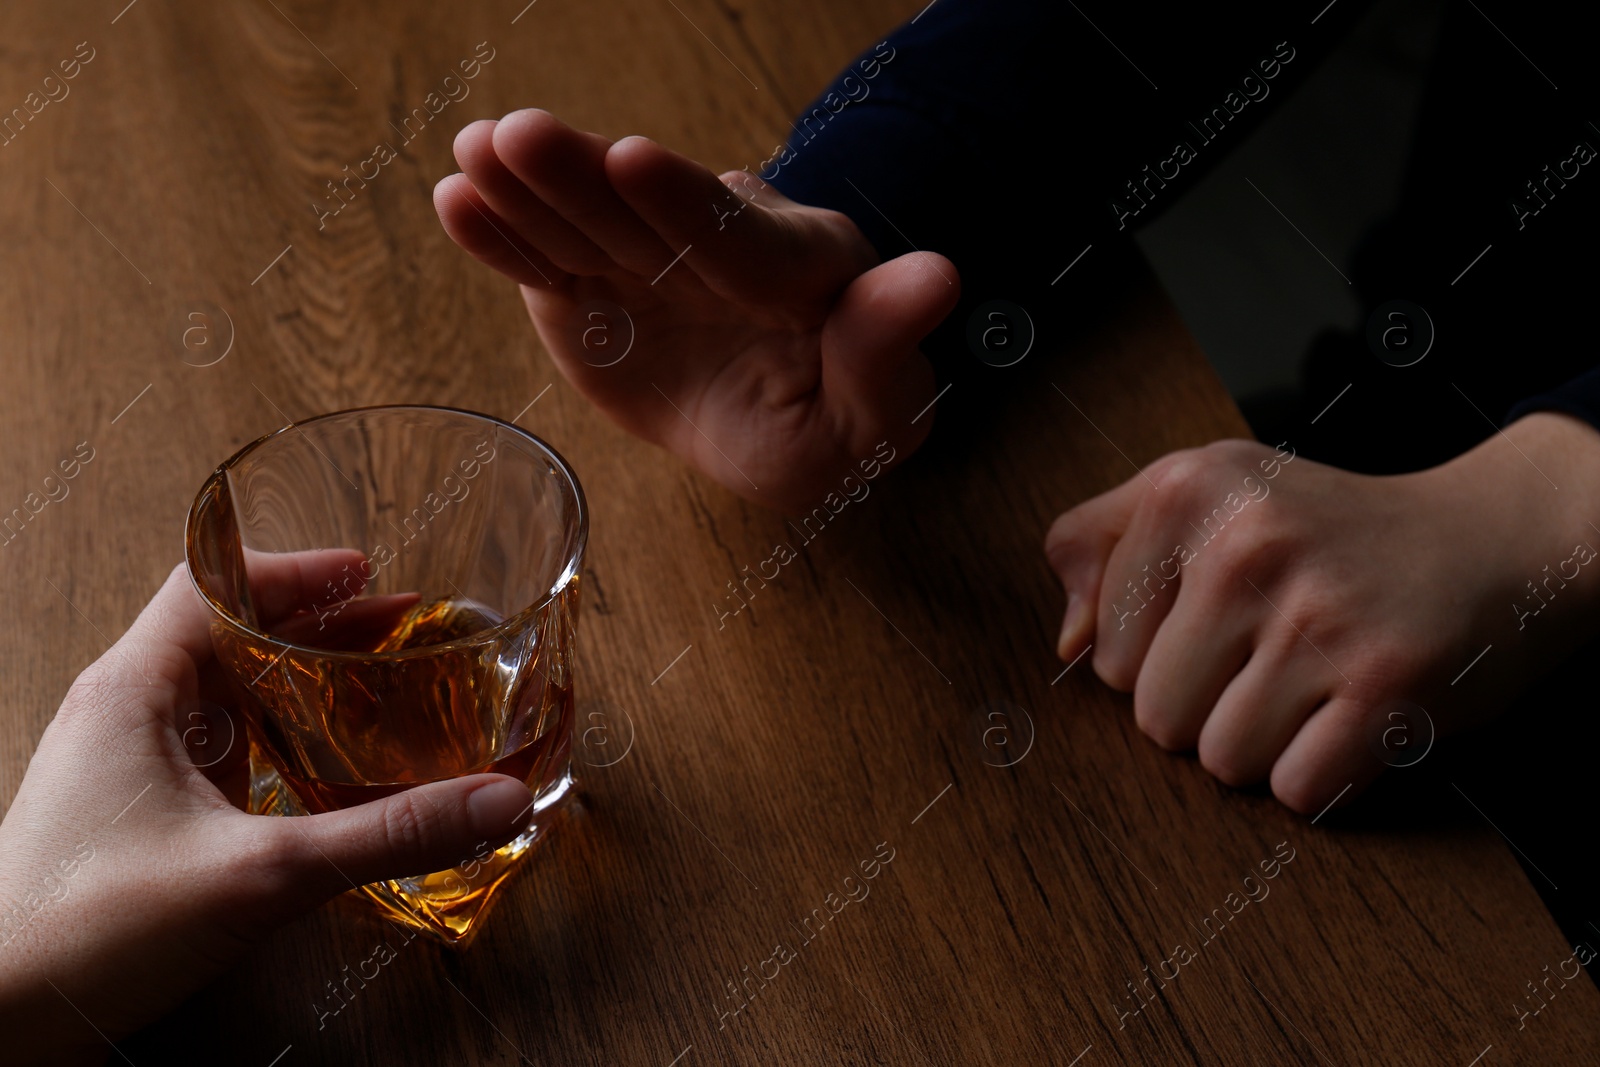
[
  {"x": 40, "y": 1025},
  {"x": 1526, "y": 503}
]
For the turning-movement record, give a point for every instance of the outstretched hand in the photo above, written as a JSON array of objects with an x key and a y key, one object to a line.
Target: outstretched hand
[{"x": 757, "y": 338}]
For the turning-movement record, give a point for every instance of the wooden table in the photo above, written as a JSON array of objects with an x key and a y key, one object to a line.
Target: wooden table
[{"x": 839, "y": 718}]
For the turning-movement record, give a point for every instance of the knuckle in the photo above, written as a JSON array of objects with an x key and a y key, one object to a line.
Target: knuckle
[
  {"x": 1238, "y": 561},
  {"x": 1075, "y": 548},
  {"x": 1230, "y": 565},
  {"x": 1059, "y": 535},
  {"x": 1249, "y": 546},
  {"x": 1282, "y": 641},
  {"x": 1187, "y": 467},
  {"x": 99, "y": 689},
  {"x": 1114, "y": 667},
  {"x": 1256, "y": 540},
  {"x": 835, "y": 221},
  {"x": 1159, "y": 726},
  {"x": 1165, "y": 467},
  {"x": 1187, "y": 499},
  {"x": 1311, "y": 613},
  {"x": 410, "y": 823},
  {"x": 1065, "y": 532},
  {"x": 1223, "y": 761},
  {"x": 1385, "y": 669},
  {"x": 1233, "y": 451},
  {"x": 86, "y": 688},
  {"x": 1298, "y": 793}
]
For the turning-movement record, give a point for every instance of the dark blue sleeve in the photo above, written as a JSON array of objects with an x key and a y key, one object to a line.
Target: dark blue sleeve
[
  {"x": 1579, "y": 398},
  {"x": 1010, "y": 135}
]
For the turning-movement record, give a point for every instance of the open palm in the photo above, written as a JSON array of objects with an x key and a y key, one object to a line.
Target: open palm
[{"x": 755, "y": 337}]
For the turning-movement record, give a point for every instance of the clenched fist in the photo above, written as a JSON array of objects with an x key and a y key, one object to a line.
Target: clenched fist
[{"x": 1271, "y": 612}]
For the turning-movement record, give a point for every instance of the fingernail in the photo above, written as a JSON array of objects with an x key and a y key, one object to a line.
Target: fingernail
[
  {"x": 1066, "y": 644},
  {"x": 499, "y": 809}
]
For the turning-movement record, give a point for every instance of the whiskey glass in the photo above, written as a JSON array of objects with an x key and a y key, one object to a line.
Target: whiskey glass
[{"x": 443, "y": 645}]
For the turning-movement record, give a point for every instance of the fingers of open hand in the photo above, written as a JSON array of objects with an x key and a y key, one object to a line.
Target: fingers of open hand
[
  {"x": 873, "y": 374},
  {"x": 566, "y": 169},
  {"x": 474, "y": 225},
  {"x": 510, "y": 199},
  {"x": 687, "y": 205},
  {"x": 744, "y": 239}
]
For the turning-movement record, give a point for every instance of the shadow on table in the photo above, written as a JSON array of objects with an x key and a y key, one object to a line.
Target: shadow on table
[{"x": 1531, "y": 775}]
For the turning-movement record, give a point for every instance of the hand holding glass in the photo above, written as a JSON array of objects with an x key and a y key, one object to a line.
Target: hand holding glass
[{"x": 443, "y": 649}]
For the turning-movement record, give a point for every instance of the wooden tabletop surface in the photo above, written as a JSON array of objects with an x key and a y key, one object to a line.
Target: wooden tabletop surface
[{"x": 834, "y": 727}]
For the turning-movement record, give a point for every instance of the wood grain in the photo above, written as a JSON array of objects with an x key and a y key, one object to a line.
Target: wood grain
[{"x": 837, "y": 716}]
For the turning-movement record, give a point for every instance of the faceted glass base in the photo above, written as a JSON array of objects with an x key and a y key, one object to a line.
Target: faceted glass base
[{"x": 448, "y": 905}]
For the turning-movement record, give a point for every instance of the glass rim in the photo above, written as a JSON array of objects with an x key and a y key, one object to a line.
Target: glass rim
[{"x": 567, "y": 575}]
